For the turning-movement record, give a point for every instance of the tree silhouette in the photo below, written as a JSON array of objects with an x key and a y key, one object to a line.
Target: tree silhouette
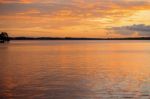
[{"x": 4, "y": 37}]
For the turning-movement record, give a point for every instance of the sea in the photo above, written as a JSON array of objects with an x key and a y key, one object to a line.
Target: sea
[{"x": 75, "y": 69}]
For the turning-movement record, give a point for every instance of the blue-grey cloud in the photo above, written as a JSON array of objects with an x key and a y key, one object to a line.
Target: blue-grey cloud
[{"x": 140, "y": 29}]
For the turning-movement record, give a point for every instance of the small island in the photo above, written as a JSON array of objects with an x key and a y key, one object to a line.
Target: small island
[{"x": 4, "y": 37}]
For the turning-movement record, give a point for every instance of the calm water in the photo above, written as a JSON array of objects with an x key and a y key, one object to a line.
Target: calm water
[{"x": 75, "y": 70}]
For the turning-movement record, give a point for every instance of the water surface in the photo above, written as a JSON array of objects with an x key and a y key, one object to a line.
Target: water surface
[{"x": 75, "y": 70}]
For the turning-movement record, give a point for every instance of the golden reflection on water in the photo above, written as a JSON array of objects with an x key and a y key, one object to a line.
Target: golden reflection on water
[{"x": 75, "y": 70}]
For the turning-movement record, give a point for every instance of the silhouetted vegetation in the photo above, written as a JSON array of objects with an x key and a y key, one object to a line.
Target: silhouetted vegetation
[
  {"x": 4, "y": 37},
  {"x": 71, "y": 38}
]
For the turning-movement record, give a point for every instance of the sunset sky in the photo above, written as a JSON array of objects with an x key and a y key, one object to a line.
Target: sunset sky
[{"x": 75, "y": 18}]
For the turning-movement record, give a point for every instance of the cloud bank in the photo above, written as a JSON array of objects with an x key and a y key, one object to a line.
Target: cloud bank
[{"x": 138, "y": 29}]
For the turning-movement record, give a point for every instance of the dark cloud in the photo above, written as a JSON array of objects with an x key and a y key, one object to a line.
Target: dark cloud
[{"x": 140, "y": 29}]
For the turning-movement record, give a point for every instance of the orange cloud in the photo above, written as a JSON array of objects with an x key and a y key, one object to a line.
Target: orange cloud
[
  {"x": 70, "y": 17},
  {"x": 26, "y": 1}
]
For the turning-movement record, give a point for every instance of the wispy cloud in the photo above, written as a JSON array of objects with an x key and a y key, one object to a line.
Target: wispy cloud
[{"x": 92, "y": 15}]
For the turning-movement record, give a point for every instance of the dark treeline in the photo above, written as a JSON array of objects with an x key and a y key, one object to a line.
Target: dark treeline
[
  {"x": 5, "y": 38},
  {"x": 72, "y": 38}
]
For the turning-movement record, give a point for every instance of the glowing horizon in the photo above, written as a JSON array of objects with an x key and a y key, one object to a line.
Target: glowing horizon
[{"x": 75, "y": 18}]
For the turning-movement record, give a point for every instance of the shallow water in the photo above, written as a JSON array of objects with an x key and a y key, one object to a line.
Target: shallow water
[{"x": 75, "y": 70}]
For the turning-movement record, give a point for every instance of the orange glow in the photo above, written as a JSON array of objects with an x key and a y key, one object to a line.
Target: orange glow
[{"x": 74, "y": 18}]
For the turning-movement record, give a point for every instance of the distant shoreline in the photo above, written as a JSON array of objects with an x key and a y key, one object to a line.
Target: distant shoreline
[{"x": 71, "y": 38}]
